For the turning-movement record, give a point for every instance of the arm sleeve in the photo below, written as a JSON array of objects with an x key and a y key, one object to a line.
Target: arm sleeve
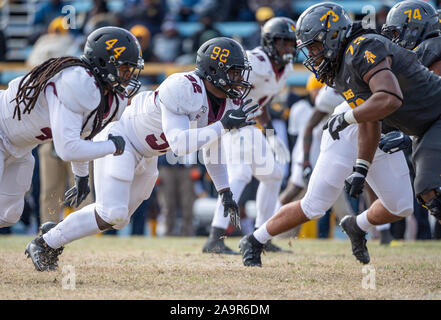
[
  {"x": 365, "y": 53},
  {"x": 215, "y": 164},
  {"x": 183, "y": 140},
  {"x": 66, "y": 130},
  {"x": 80, "y": 169}
]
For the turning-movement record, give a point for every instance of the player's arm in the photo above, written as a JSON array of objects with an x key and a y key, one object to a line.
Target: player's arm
[
  {"x": 183, "y": 140},
  {"x": 66, "y": 127},
  {"x": 386, "y": 95},
  {"x": 217, "y": 169}
]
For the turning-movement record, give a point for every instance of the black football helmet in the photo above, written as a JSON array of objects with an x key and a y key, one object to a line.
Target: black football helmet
[
  {"x": 216, "y": 57},
  {"x": 106, "y": 50},
  {"x": 278, "y": 28},
  {"x": 328, "y": 24},
  {"x": 410, "y": 22}
]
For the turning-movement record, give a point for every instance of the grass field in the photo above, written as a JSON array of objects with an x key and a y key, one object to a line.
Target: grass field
[{"x": 175, "y": 268}]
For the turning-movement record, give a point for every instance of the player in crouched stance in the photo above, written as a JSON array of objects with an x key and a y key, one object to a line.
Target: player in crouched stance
[
  {"x": 68, "y": 100},
  {"x": 188, "y": 112}
]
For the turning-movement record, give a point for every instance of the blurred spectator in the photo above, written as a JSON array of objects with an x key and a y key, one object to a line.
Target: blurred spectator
[
  {"x": 100, "y": 17},
  {"x": 143, "y": 35},
  {"x": 188, "y": 10},
  {"x": 263, "y": 14},
  {"x": 149, "y": 13},
  {"x": 147, "y": 210},
  {"x": 46, "y": 12},
  {"x": 177, "y": 193},
  {"x": 56, "y": 43},
  {"x": 282, "y": 8},
  {"x": 167, "y": 45},
  {"x": 208, "y": 30}
]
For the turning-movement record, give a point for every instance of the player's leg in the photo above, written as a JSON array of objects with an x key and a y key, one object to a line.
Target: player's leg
[
  {"x": 239, "y": 176},
  {"x": 269, "y": 172},
  {"x": 295, "y": 184},
  {"x": 393, "y": 203},
  {"x": 14, "y": 183},
  {"x": 426, "y": 158},
  {"x": 323, "y": 190},
  {"x": 113, "y": 177},
  {"x": 144, "y": 181}
]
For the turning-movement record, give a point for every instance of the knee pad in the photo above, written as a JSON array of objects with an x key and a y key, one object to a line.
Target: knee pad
[
  {"x": 434, "y": 205},
  {"x": 12, "y": 208},
  {"x": 115, "y": 216},
  {"x": 311, "y": 212}
]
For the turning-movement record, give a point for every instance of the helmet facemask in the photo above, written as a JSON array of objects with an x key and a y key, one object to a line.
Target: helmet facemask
[
  {"x": 272, "y": 49},
  {"x": 126, "y": 84},
  {"x": 234, "y": 89},
  {"x": 324, "y": 63}
]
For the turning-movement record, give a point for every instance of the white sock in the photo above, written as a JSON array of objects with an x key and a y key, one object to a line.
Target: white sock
[
  {"x": 262, "y": 234},
  {"x": 78, "y": 224},
  {"x": 363, "y": 222},
  {"x": 383, "y": 227}
]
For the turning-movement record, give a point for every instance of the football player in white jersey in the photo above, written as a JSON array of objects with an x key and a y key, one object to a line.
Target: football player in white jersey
[
  {"x": 69, "y": 100},
  {"x": 307, "y": 147},
  {"x": 189, "y": 111},
  {"x": 264, "y": 156}
]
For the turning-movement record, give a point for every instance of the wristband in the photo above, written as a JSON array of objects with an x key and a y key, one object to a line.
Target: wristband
[{"x": 349, "y": 117}]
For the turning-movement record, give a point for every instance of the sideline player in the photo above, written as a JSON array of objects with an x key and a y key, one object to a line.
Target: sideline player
[
  {"x": 188, "y": 111},
  {"x": 359, "y": 55},
  {"x": 249, "y": 152},
  {"x": 69, "y": 100}
]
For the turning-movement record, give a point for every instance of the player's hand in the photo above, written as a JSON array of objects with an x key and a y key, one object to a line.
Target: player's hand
[
  {"x": 394, "y": 141},
  {"x": 355, "y": 182},
  {"x": 230, "y": 208},
  {"x": 281, "y": 152},
  {"x": 119, "y": 144},
  {"x": 335, "y": 124},
  {"x": 243, "y": 116},
  {"x": 306, "y": 171},
  {"x": 75, "y": 195}
]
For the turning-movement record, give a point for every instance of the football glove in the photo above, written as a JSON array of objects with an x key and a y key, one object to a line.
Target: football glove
[
  {"x": 119, "y": 144},
  {"x": 355, "y": 182},
  {"x": 75, "y": 195},
  {"x": 230, "y": 208},
  {"x": 335, "y": 124},
  {"x": 243, "y": 116},
  {"x": 394, "y": 141}
]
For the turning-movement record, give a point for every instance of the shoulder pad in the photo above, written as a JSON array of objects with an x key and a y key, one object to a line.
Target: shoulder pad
[
  {"x": 182, "y": 93},
  {"x": 259, "y": 62},
  {"x": 366, "y": 51},
  {"x": 327, "y": 99},
  {"x": 77, "y": 90}
]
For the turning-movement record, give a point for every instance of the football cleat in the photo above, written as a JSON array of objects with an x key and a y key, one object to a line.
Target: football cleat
[
  {"x": 45, "y": 227},
  {"x": 251, "y": 250},
  {"x": 215, "y": 243},
  {"x": 357, "y": 237},
  {"x": 41, "y": 254},
  {"x": 271, "y": 247}
]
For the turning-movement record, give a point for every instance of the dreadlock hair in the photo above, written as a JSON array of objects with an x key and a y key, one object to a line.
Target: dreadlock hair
[{"x": 35, "y": 81}]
